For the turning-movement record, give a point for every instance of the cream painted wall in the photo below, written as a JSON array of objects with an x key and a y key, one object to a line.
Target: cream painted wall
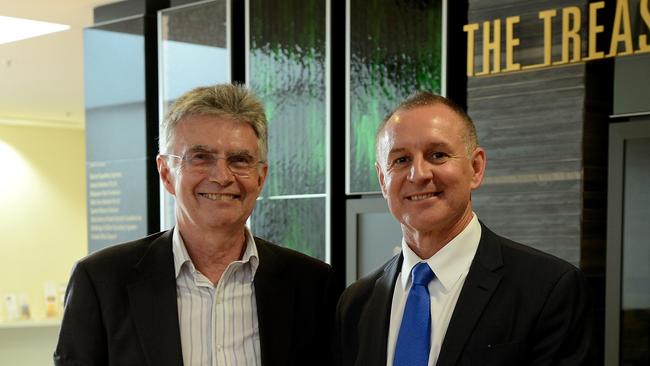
[{"x": 43, "y": 225}]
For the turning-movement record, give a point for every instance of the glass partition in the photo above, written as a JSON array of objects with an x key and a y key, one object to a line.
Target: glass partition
[
  {"x": 193, "y": 51},
  {"x": 288, "y": 70},
  {"x": 635, "y": 273},
  {"x": 388, "y": 59},
  {"x": 627, "y": 312}
]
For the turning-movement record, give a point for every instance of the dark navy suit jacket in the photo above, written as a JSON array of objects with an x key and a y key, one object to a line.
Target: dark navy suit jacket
[{"x": 518, "y": 306}]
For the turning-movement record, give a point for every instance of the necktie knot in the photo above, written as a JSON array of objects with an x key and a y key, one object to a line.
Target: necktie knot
[{"x": 422, "y": 274}]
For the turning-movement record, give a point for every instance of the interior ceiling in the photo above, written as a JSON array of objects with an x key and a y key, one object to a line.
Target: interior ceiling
[{"x": 41, "y": 78}]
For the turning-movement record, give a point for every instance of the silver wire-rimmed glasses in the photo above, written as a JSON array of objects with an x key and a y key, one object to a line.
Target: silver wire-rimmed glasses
[{"x": 201, "y": 162}]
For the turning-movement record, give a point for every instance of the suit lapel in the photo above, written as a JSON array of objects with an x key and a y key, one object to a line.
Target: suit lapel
[
  {"x": 375, "y": 318},
  {"x": 274, "y": 295},
  {"x": 152, "y": 297},
  {"x": 480, "y": 284}
]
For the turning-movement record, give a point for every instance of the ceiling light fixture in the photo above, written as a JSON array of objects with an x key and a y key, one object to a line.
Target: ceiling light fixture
[{"x": 15, "y": 29}]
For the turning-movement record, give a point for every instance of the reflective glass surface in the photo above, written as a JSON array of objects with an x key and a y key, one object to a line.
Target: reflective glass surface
[
  {"x": 115, "y": 132},
  {"x": 632, "y": 72},
  {"x": 193, "y": 48},
  {"x": 635, "y": 283}
]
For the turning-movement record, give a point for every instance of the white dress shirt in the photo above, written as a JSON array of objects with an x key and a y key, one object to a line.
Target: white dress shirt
[
  {"x": 218, "y": 324},
  {"x": 450, "y": 266}
]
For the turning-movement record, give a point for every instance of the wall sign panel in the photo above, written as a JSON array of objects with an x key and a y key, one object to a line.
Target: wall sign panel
[{"x": 116, "y": 159}]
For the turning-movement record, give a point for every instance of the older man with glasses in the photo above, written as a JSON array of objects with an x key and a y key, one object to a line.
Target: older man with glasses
[{"x": 206, "y": 292}]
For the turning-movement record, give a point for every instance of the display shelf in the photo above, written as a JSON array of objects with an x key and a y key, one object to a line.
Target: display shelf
[{"x": 20, "y": 324}]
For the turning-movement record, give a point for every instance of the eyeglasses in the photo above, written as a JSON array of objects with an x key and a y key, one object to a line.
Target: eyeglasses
[{"x": 200, "y": 162}]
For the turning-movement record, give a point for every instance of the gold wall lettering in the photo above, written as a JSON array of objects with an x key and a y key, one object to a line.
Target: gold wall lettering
[{"x": 621, "y": 42}]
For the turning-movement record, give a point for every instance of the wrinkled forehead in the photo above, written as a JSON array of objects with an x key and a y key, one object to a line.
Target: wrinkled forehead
[{"x": 216, "y": 134}]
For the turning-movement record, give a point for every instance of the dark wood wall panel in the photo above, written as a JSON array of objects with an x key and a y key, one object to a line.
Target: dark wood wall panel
[
  {"x": 546, "y": 134},
  {"x": 532, "y": 125}
]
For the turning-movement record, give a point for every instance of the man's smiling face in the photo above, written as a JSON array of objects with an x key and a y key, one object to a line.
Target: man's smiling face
[
  {"x": 425, "y": 170},
  {"x": 214, "y": 197}
]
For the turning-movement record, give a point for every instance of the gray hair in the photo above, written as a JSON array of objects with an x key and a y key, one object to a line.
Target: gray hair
[
  {"x": 231, "y": 101},
  {"x": 424, "y": 99}
]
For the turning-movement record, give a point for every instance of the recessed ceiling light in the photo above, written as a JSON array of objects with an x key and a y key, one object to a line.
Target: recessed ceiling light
[{"x": 14, "y": 29}]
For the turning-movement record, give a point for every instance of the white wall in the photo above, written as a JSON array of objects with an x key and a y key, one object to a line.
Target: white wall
[{"x": 43, "y": 226}]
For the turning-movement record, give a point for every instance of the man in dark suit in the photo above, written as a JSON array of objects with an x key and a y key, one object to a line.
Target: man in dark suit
[
  {"x": 458, "y": 294},
  {"x": 206, "y": 292}
]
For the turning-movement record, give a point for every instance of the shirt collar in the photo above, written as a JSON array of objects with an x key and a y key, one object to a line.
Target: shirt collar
[
  {"x": 181, "y": 257},
  {"x": 450, "y": 262}
]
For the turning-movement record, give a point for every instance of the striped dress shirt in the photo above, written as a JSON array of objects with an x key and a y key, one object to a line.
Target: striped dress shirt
[{"x": 218, "y": 324}]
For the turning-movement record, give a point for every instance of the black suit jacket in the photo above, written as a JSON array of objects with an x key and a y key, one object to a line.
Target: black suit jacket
[
  {"x": 121, "y": 307},
  {"x": 518, "y": 306}
]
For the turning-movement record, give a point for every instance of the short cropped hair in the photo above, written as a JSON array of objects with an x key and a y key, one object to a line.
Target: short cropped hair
[
  {"x": 231, "y": 101},
  {"x": 424, "y": 99}
]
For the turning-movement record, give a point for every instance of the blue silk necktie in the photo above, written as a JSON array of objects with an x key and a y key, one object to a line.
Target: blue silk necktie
[{"x": 414, "y": 339}]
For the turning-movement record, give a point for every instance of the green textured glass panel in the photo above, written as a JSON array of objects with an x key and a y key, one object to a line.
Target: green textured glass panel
[
  {"x": 393, "y": 53},
  {"x": 287, "y": 70},
  {"x": 294, "y": 223}
]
